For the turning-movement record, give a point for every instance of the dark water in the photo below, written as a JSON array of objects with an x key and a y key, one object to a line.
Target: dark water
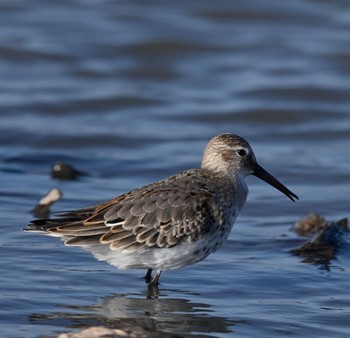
[{"x": 130, "y": 92}]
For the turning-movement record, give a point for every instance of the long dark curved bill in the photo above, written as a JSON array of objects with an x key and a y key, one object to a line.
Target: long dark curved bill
[{"x": 265, "y": 176}]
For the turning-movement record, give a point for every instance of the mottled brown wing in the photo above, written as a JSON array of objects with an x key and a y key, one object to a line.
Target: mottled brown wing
[{"x": 144, "y": 219}]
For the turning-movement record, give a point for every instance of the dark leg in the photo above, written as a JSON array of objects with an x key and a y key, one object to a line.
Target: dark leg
[
  {"x": 155, "y": 280},
  {"x": 152, "y": 288},
  {"x": 148, "y": 276}
]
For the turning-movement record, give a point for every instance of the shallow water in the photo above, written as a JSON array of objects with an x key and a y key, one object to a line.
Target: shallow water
[{"x": 130, "y": 92}]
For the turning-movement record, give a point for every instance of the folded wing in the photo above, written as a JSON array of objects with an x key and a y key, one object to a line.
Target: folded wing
[{"x": 142, "y": 219}]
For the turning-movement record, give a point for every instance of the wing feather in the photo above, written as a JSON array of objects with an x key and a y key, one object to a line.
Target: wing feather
[
  {"x": 160, "y": 215},
  {"x": 110, "y": 236}
]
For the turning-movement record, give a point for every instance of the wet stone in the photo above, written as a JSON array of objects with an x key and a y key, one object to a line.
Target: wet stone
[
  {"x": 323, "y": 239},
  {"x": 64, "y": 171},
  {"x": 42, "y": 209}
]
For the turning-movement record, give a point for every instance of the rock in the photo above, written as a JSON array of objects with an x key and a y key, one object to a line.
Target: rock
[
  {"x": 307, "y": 224},
  {"x": 98, "y": 332},
  {"x": 323, "y": 238},
  {"x": 64, "y": 171},
  {"x": 104, "y": 332},
  {"x": 42, "y": 209}
]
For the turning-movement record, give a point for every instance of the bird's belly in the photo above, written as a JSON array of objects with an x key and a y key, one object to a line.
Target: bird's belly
[
  {"x": 185, "y": 253},
  {"x": 155, "y": 258}
]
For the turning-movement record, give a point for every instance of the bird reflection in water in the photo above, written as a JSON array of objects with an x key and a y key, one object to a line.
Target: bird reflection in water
[{"x": 156, "y": 316}]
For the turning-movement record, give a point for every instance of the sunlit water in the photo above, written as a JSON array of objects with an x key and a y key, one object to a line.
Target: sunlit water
[{"x": 130, "y": 92}]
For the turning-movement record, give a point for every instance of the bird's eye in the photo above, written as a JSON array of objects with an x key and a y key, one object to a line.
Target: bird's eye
[{"x": 241, "y": 152}]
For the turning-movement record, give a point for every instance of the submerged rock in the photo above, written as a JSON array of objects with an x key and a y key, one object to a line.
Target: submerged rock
[
  {"x": 64, "y": 171},
  {"x": 323, "y": 238}
]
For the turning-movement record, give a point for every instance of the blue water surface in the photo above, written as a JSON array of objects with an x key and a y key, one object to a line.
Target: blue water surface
[{"x": 130, "y": 92}]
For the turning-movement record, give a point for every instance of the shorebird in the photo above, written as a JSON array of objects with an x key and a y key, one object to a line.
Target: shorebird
[{"x": 170, "y": 223}]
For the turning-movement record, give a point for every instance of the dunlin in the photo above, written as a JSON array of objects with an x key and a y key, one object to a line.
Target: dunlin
[{"x": 171, "y": 223}]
